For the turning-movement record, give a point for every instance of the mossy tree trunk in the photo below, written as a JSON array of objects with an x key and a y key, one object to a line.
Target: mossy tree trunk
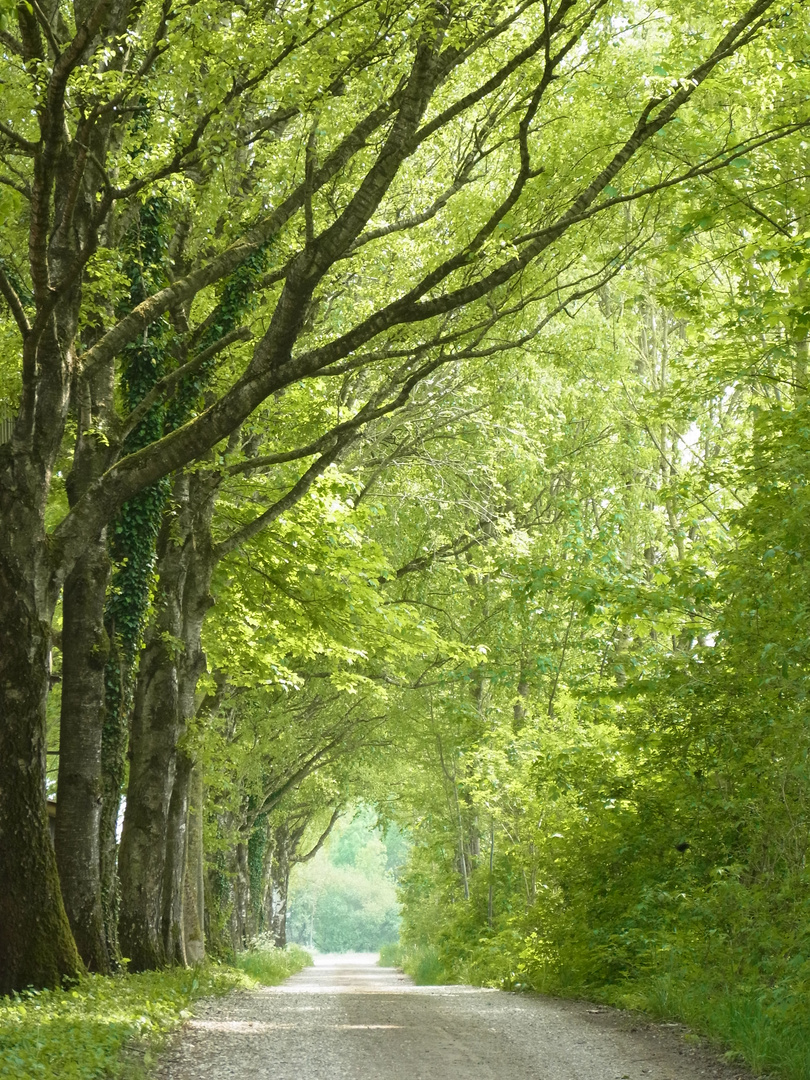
[
  {"x": 171, "y": 664},
  {"x": 36, "y": 945},
  {"x": 85, "y": 647}
]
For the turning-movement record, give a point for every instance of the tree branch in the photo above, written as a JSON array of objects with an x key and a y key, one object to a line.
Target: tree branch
[
  {"x": 28, "y": 147},
  {"x": 336, "y": 816},
  {"x": 166, "y": 385},
  {"x": 14, "y": 303},
  {"x": 293, "y": 496}
]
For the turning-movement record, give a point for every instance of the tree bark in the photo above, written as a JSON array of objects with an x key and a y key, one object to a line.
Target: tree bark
[
  {"x": 85, "y": 647},
  {"x": 174, "y": 942},
  {"x": 194, "y": 881},
  {"x": 280, "y": 887},
  {"x": 36, "y": 945},
  {"x": 141, "y": 854},
  {"x": 114, "y": 741},
  {"x": 171, "y": 664},
  {"x": 240, "y": 886}
]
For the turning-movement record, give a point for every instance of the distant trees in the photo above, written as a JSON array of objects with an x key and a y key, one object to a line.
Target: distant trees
[{"x": 345, "y": 900}]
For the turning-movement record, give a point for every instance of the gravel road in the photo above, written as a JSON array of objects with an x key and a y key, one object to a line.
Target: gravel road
[{"x": 347, "y": 1019}]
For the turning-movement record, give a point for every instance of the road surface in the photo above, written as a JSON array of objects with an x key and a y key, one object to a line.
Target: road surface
[{"x": 347, "y": 1019}]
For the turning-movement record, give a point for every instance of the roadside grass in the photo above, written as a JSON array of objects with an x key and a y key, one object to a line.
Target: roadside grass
[
  {"x": 269, "y": 965},
  {"x": 421, "y": 962},
  {"x": 765, "y": 1027},
  {"x": 112, "y": 1027},
  {"x": 390, "y": 955},
  {"x": 103, "y": 1026},
  {"x": 763, "y": 1022}
]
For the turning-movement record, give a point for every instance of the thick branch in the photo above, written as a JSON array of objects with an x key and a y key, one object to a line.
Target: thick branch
[{"x": 18, "y": 140}]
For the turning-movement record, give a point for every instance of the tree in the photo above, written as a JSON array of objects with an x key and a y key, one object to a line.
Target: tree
[{"x": 336, "y": 112}]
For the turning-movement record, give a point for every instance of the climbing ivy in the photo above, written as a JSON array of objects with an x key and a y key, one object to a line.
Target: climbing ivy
[
  {"x": 134, "y": 532},
  {"x": 238, "y": 298},
  {"x": 135, "y": 529}
]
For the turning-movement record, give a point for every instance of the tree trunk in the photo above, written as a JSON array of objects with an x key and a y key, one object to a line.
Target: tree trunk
[
  {"x": 36, "y": 945},
  {"x": 281, "y": 887},
  {"x": 241, "y": 898},
  {"x": 171, "y": 664},
  {"x": 219, "y": 893},
  {"x": 114, "y": 740},
  {"x": 259, "y": 864},
  {"x": 175, "y": 864},
  {"x": 85, "y": 647},
  {"x": 194, "y": 881},
  {"x": 141, "y": 854}
]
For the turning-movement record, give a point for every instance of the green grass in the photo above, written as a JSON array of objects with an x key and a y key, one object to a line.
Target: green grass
[
  {"x": 766, "y": 1028},
  {"x": 391, "y": 955},
  {"x": 111, "y": 1027},
  {"x": 104, "y": 1027},
  {"x": 421, "y": 962},
  {"x": 269, "y": 965}
]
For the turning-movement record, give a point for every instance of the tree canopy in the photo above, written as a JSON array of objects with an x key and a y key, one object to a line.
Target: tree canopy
[{"x": 405, "y": 405}]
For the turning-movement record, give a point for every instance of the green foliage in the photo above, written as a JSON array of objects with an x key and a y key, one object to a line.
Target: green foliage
[
  {"x": 390, "y": 954},
  {"x": 551, "y": 616},
  {"x": 269, "y": 965},
  {"x": 344, "y": 899},
  {"x": 103, "y": 1027},
  {"x": 614, "y": 802},
  {"x": 421, "y": 962},
  {"x": 424, "y": 965}
]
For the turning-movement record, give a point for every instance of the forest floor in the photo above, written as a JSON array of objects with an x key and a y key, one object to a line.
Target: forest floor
[{"x": 347, "y": 1019}]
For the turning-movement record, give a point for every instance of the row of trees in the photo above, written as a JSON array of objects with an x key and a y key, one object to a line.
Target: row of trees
[
  {"x": 615, "y": 801},
  {"x": 287, "y": 347}
]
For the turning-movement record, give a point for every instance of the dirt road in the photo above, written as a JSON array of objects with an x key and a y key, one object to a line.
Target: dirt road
[{"x": 347, "y": 1019}]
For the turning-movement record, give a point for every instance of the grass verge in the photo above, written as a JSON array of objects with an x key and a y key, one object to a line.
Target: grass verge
[
  {"x": 421, "y": 962},
  {"x": 111, "y": 1027},
  {"x": 767, "y": 1029},
  {"x": 391, "y": 955},
  {"x": 104, "y": 1026},
  {"x": 271, "y": 966}
]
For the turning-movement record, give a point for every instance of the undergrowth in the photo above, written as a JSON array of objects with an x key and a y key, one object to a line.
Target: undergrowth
[
  {"x": 764, "y": 1026},
  {"x": 421, "y": 962},
  {"x": 269, "y": 965},
  {"x": 103, "y": 1026},
  {"x": 111, "y": 1027},
  {"x": 753, "y": 1016}
]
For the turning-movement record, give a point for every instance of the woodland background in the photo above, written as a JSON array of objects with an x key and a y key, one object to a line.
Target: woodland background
[{"x": 406, "y": 405}]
